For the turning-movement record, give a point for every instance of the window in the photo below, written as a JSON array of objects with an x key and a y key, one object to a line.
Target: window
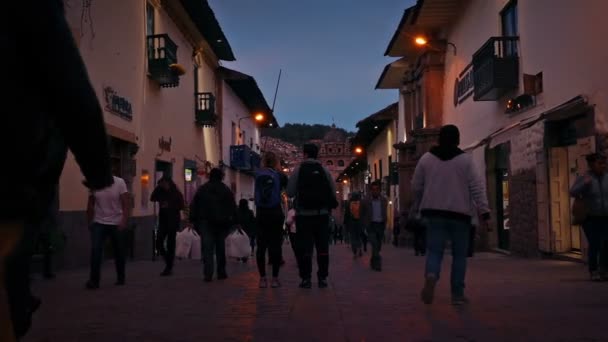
[
  {"x": 330, "y": 163},
  {"x": 508, "y": 18},
  {"x": 341, "y": 163},
  {"x": 243, "y": 137},
  {"x": 375, "y": 171},
  {"x": 149, "y": 19},
  {"x": 380, "y": 163}
]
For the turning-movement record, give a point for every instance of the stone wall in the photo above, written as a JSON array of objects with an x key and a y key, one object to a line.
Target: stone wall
[
  {"x": 523, "y": 214},
  {"x": 77, "y": 249}
]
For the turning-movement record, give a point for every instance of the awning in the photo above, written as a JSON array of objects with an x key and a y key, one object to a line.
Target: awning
[
  {"x": 246, "y": 88},
  {"x": 392, "y": 75},
  {"x": 203, "y": 17},
  {"x": 121, "y": 134}
]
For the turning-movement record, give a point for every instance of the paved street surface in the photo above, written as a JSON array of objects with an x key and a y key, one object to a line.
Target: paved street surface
[{"x": 511, "y": 300}]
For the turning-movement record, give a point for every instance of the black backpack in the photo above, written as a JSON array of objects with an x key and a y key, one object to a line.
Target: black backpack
[{"x": 314, "y": 191}]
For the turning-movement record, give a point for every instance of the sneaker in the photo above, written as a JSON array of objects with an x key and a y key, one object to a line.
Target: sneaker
[
  {"x": 459, "y": 300},
  {"x": 263, "y": 283},
  {"x": 275, "y": 283},
  {"x": 595, "y": 276},
  {"x": 306, "y": 284},
  {"x": 166, "y": 272},
  {"x": 428, "y": 291},
  {"x": 91, "y": 285},
  {"x": 323, "y": 283}
]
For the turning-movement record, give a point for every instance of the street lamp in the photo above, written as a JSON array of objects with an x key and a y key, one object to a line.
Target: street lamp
[
  {"x": 358, "y": 150},
  {"x": 423, "y": 41}
]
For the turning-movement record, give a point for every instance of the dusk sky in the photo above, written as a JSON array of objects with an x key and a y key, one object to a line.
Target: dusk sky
[{"x": 331, "y": 53}]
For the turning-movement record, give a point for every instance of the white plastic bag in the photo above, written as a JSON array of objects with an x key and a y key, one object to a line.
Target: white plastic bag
[
  {"x": 195, "y": 248},
  {"x": 183, "y": 243},
  {"x": 237, "y": 244}
]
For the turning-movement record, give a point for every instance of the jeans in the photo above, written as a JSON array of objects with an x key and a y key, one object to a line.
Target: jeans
[
  {"x": 99, "y": 234},
  {"x": 439, "y": 230},
  {"x": 375, "y": 231},
  {"x": 169, "y": 234},
  {"x": 596, "y": 231},
  {"x": 214, "y": 239},
  {"x": 313, "y": 232},
  {"x": 270, "y": 237}
]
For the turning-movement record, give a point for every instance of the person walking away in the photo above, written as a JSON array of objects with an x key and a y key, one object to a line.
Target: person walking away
[
  {"x": 108, "y": 213},
  {"x": 374, "y": 216},
  {"x": 213, "y": 212},
  {"x": 353, "y": 218},
  {"x": 314, "y": 191},
  {"x": 170, "y": 202},
  {"x": 445, "y": 183},
  {"x": 592, "y": 188},
  {"x": 65, "y": 114},
  {"x": 270, "y": 218},
  {"x": 246, "y": 220}
]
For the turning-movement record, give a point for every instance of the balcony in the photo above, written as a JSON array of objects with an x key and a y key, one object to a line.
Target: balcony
[
  {"x": 240, "y": 157},
  {"x": 496, "y": 68},
  {"x": 205, "y": 109},
  {"x": 162, "y": 53}
]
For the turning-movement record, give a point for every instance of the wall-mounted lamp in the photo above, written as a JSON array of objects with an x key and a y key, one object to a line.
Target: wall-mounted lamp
[{"x": 423, "y": 41}]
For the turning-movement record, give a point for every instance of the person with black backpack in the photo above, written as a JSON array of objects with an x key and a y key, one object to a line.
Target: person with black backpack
[
  {"x": 270, "y": 217},
  {"x": 315, "y": 196},
  {"x": 213, "y": 212}
]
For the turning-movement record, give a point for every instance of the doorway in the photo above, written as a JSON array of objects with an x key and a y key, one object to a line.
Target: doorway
[{"x": 501, "y": 178}]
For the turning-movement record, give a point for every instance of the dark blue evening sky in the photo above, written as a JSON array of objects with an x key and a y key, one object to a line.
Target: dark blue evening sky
[{"x": 331, "y": 53}]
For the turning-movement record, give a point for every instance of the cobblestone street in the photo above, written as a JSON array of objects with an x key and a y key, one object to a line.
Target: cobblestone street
[{"x": 511, "y": 300}]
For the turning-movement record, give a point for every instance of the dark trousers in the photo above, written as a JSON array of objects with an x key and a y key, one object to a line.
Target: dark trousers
[
  {"x": 270, "y": 237},
  {"x": 99, "y": 234},
  {"x": 596, "y": 231},
  {"x": 376, "y": 237},
  {"x": 213, "y": 245},
  {"x": 364, "y": 239},
  {"x": 169, "y": 234},
  {"x": 356, "y": 235},
  {"x": 472, "y": 233},
  {"x": 420, "y": 240},
  {"x": 313, "y": 232}
]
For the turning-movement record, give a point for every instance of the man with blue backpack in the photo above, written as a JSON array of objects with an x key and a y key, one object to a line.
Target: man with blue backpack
[
  {"x": 315, "y": 196},
  {"x": 269, "y": 184}
]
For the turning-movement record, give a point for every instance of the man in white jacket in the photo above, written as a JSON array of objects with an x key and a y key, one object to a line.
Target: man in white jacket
[{"x": 445, "y": 184}]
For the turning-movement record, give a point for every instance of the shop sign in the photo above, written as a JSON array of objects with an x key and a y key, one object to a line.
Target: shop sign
[
  {"x": 116, "y": 104},
  {"x": 463, "y": 86}
]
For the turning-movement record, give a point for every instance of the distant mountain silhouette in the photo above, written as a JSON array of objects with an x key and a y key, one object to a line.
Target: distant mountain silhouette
[{"x": 298, "y": 134}]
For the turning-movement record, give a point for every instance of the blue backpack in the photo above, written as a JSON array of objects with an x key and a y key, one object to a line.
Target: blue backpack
[{"x": 267, "y": 188}]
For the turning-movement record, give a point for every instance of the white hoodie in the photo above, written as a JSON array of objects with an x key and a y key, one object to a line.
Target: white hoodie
[{"x": 445, "y": 182}]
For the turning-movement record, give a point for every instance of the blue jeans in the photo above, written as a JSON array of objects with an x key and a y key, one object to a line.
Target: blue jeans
[
  {"x": 99, "y": 233},
  {"x": 439, "y": 230}
]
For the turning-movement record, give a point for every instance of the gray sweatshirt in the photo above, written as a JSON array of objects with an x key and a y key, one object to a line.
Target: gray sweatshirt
[
  {"x": 446, "y": 183},
  {"x": 595, "y": 194}
]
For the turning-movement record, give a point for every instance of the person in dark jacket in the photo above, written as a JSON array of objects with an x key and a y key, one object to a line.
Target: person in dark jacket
[
  {"x": 246, "y": 219},
  {"x": 56, "y": 112},
  {"x": 213, "y": 212},
  {"x": 171, "y": 203},
  {"x": 592, "y": 187}
]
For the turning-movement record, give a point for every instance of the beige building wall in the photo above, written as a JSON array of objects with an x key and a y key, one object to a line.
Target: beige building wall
[
  {"x": 557, "y": 38},
  {"x": 238, "y": 128},
  {"x": 378, "y": 153}
]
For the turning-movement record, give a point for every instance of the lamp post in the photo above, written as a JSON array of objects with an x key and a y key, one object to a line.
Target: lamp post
[{"x": 423, "y": 41}]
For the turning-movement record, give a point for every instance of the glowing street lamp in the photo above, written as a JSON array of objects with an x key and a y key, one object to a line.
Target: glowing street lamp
[
  {"x": 259, "y": 117},
  {"x": 421, "y": 41},
  {"x": 358, "y": 150}
]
